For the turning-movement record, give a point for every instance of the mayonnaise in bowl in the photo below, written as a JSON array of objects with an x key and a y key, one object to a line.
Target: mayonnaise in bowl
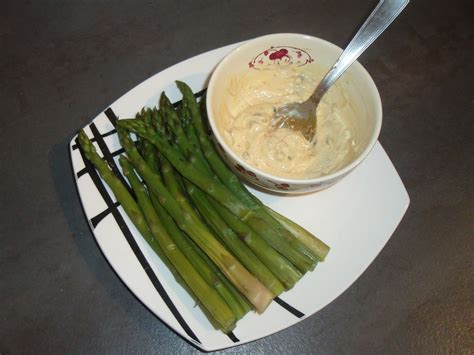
[{"x": 245, "y": 122}]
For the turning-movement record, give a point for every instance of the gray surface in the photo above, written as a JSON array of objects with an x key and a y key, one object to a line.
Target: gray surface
[{"x": 61, "y": 62}]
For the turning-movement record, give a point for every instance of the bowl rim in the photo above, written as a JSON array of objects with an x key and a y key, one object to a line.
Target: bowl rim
[{"x": 304, "y": 181}]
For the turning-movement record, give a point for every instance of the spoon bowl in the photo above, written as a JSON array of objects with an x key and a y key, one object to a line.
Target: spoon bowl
[{"x": 297, "y": 116}]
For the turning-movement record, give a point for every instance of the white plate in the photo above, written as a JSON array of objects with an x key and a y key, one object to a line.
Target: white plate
[{"x": 356, "y": 217}]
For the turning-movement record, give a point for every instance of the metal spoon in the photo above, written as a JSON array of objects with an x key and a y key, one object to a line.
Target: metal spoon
[{"x": 302, "y": 116}]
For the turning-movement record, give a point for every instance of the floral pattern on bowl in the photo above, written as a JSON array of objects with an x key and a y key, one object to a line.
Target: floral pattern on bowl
[{"x": 283, "y": 56}]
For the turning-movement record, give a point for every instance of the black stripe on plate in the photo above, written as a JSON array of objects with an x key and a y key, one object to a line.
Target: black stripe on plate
[
  {"x": 111, "y": 116},
  {"x": 134, "y": 246},
  {"x": 109, "y": 133},
  {"x": 233, "y": 337},
  {"x": 81, "y": 172},
  {"x": 289, "y": 308},
  {"x": 200, "y": 93},
  {"x": 106, "y": 134},
  {"x": 98, "y": 218},
  {"x": 118, "y": 152}
]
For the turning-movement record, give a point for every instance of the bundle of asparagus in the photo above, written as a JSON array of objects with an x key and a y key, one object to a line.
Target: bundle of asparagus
[{"x": 230, "y": 251}]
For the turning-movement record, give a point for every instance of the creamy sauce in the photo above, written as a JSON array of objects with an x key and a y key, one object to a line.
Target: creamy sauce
[{"x": 246, "y": 114}]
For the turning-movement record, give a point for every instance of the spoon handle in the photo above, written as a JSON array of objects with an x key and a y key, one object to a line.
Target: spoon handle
[{"x": 380, "y": 18}]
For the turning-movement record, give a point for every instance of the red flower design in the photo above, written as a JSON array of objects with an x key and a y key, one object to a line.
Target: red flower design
[
  {"x": 282, "y": 186},
  {"x": 240, "y": 168},
  {"x": 246, "y": 172},
  {"x": 279, "y": 54}
]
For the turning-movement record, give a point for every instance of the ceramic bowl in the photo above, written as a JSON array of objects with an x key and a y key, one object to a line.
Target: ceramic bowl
[{"x": 263, "y": 52}]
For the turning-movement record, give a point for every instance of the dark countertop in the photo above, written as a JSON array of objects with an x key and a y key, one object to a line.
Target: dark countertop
[{"x": 62, "y": 62}]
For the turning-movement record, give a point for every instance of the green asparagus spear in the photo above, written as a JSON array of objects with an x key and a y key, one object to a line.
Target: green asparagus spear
[
  {"x": 245, "y": 282},
  {"x": 193, "y": 139},
  {"x": 317, "y": 246},
  {"x": 174, "y": 124},
  {"x": 121, "y": 193},
  {"x": 173, "y": 184}
]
